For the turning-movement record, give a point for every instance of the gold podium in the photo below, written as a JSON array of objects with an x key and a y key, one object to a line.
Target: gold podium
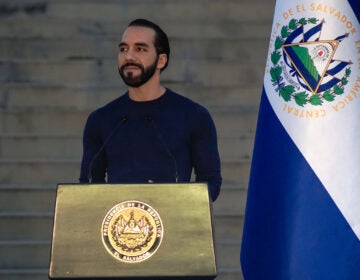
[{"x": 132, "y": 231}]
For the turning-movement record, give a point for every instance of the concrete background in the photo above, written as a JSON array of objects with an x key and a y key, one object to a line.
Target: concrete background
[{"x": 58, "y": 63}]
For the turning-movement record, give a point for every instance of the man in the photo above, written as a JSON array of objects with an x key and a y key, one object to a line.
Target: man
[{"x": 149, "y": 134}]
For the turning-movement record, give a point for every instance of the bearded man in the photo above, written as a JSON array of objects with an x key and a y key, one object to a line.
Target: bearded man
[{"x": 150, "y": 133}]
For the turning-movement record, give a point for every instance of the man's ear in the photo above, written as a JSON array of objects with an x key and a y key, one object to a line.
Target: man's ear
[{"x": 162, "y": 61}]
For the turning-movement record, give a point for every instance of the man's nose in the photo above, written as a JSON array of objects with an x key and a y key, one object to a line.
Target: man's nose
[{"x": 129, "y": 55}]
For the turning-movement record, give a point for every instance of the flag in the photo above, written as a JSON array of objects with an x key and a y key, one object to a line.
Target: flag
[{"x": 302, "y": 216}]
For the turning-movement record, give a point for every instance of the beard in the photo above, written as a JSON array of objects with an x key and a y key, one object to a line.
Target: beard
[{"x": 137, "y": 81}]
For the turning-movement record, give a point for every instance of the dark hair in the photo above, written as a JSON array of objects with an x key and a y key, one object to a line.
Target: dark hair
[{"x": 161, "y": 43}]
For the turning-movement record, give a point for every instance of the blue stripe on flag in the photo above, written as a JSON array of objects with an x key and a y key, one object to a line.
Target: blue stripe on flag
[
  {"x": 293, "y": 229},
  {"x": 355, "y": 5},
  {"x": 315, "y": 30},
  {"x": 294, "y": 35}
]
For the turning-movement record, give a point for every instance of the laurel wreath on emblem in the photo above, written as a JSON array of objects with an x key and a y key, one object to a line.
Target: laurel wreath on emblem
[{"x": 287, "y": 92}]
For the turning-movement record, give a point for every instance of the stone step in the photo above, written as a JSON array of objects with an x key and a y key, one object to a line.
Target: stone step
[
  {"x": 27, "y": 199},
  {"x": 237, "y": 147},
  {"x": 70, "y": 146},
  {"x": 104, "y": 72},
  {"x": 236, "y": 170},
  {"x": 35, "y": 254},
  {"x": 66, "y": 170},
  {"x": 25, "y": 274},
  {"x": 228, "y": 226},
  {"x": 40, "y": 97},
  {"x": 40, "y": 145},
  {"x": 97, "y": 47},
  {"x": 43, "y": 121},
  {"x": 39, "y": 171},
  {"x": 236, "y": 121},
  {"x": 162, "y": 10},
  {"x": 41, "y": 199},
  {"x": 176, "y": 10},
  {"x": 228, "y": 274},
  {"x": 15, "y": 226},
  {"x": 26, "y": 226},
  {"x": 48, "y": 27},
  {"x": 232, "y": 199},
  {"x": 35, "y": 96},
  {"x": 229, "y": 121},
  {"x": 22, "y": 8},
  {"x": 228, "y": 253}
]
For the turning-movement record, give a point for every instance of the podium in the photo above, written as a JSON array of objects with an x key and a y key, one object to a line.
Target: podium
[{"x": 132, "y": 231}]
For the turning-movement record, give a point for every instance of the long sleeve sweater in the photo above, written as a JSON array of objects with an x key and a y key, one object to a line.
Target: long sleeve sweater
[{"x": 161, "y": 140}]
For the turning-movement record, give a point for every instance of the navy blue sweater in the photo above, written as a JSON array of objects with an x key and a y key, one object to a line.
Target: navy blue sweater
[{"x": 158, "y": 140}]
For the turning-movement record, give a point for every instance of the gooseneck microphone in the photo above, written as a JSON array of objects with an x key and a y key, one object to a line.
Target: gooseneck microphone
[
  {"x": 161, "y": 138},
  {"x": 120, "y": 123}
]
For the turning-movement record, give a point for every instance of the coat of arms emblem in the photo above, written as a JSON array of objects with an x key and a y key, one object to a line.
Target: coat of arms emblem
[
  {"x": 132, "y": 231},
  {"x": 305, "y": 67}
]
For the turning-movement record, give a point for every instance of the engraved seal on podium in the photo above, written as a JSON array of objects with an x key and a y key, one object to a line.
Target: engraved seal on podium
[{"x": 132, "y": 231}]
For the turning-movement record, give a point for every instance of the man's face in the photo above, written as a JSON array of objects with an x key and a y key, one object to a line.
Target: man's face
[{"x": 137, "y": 58}]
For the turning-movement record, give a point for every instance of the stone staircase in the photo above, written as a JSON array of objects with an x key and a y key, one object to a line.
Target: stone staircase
[{"x": 58, "y": 63}]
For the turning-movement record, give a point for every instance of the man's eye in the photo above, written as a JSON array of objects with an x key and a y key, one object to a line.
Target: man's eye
[
  {"x": 122, "y": 49},
  {"x": 141, "y": 49}
]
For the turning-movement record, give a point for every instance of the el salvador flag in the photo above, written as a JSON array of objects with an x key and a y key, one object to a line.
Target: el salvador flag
[{"x": 302, "y": 217}]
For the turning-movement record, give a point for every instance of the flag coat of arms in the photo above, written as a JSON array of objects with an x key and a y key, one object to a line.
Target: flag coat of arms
[{"x": 302, "y": 217}]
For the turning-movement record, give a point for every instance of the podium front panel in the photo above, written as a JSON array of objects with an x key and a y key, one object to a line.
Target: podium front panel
[{"x": 132, "y": 231}]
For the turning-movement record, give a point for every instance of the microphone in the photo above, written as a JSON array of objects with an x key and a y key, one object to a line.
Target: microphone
[
  {"x": 161, "y": 138},
  {"x": 120, "y": 123}
]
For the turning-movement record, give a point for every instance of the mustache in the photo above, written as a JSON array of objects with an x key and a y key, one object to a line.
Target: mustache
[{"x": 131, "y": 64}]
